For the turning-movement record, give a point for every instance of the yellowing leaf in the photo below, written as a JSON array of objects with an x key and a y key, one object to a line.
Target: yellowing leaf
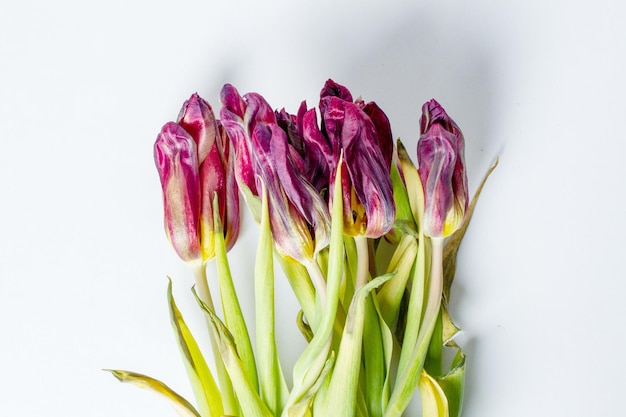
[{"x": 182, "y": 406}]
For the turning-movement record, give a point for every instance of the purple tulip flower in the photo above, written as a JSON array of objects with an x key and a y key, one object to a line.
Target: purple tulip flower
[
  {"x": 299, "y": 217},
  {"x": 441, "y": 159},
  {"x": 192, "y": 181},
  {"x": 367, "y": 148}
]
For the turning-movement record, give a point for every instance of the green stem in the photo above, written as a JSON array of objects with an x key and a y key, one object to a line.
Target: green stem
[
  {"x": 362, "y": 270},
  {"x": 228, "y": 396},
  {"x": 317, "y": 277}
]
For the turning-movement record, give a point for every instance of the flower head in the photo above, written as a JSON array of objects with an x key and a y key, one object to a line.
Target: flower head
[
  {"x": 367, "y": 147},
  {"x": 440, "y": 154},
  {"x": 299, "y": 217},
  {"x": 205, "y": 175}
]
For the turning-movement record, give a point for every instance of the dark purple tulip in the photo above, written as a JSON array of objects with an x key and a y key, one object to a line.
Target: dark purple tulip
[
  {"x": 299, "y": 217},
  {"x": 369, "y": 208}
]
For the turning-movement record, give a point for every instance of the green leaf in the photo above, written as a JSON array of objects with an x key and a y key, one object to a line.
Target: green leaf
[
  {"x": 453, "y": 384},
  {"x": 413, "y": 183},
  {"x": 390, "y": 294},
  {"x": 253, "y": 202},
  {"x": 230, "y": 302},
  {"x": 400, "y": 196},
  {"x": 341, "y": 394},
  {"x": 302, "y": 407},
  {"x": 434, "y": 401},
  {"x": 374, "y": 358},
  {"x": 181, "y": 405},
  {"x": 274, "y": 389},
  {"x": 249, "y": 400},
  {"x": 202, "y": 382},
  {"x": 388, "y": 349},
  {"x": 310, "y": 364},
  {"x": 434, "y": 364}
]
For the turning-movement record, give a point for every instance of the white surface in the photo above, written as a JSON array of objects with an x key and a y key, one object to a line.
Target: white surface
[{"x": 86, "y": 86}]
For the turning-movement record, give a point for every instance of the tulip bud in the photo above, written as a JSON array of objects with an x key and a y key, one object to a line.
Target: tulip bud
[
  {"x": 176, "y": 158},
  {"x": 216, "y": 175},
  {"x": 440, "y": 154},
  {"x": 368, "y": 203}
]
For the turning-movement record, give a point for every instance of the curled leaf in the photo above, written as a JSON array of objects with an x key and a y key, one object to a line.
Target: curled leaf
[{"x": 181, "y": 405}]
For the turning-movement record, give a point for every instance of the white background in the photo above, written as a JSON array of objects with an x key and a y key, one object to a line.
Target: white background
[{"x": 86, "y": 86}]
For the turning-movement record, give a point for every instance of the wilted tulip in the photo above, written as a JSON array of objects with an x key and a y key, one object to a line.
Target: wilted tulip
[
  {"x": 299, "y": 217},
  {"x": 440, "y": 154},
  {"x": 367, "y": 147},
  {"x": 212, "y": 170},
  {"x": 311, "y": 153}
]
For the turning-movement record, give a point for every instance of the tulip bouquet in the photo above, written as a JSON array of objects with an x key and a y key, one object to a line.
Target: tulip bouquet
[{"x": 367, "y": 241}]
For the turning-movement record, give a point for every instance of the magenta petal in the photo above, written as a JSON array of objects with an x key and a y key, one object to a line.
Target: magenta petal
[
  {"x": 319, "y": 154},
  {"x": 289, "y": 229},
  {"x": 366, "y": 174},
  {"x": 368, "y": 171},
  {"x": 217, "y": 179},
  {"x": 197, "y": 118},
  {"x": 232, "y": 216},
  {"x": 332, "y": 89},
  {"x": 232, "y": 118},
  {"x": 383, "y": 130},
  {"x": 175, "y": 155}
]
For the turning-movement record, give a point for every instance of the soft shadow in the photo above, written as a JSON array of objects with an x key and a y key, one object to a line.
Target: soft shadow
[{"x": 420, "y": 58}]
